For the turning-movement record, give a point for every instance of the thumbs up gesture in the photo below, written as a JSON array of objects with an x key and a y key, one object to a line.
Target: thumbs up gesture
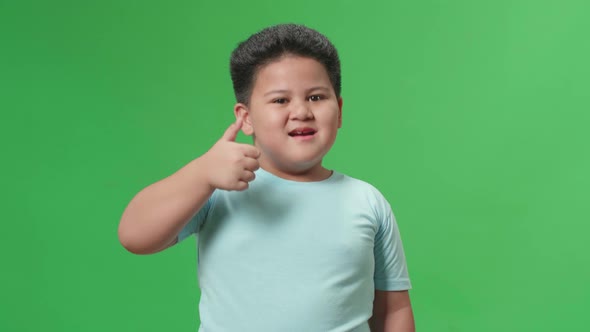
[{"x": 230, "y": 165}]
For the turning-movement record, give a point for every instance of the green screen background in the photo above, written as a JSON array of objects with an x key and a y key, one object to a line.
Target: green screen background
[{"x": 471, "y": 117}]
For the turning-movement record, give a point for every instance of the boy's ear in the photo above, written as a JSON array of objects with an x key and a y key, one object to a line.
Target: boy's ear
[
  {"x": 340, "y": 112},
  {"x": 242, "y": 111}
]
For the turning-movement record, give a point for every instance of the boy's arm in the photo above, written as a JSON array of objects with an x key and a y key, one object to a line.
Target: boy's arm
[
  {"x": 392, "y": 312},
  {"x": 156, "y": 215}
]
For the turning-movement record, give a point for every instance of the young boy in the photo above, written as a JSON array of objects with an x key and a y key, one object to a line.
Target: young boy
[{"x": 284, "y": 244}]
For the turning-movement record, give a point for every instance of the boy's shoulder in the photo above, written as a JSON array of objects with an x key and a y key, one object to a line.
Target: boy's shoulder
[
  {"x": 358, "y": 182},
  {"x": 363, "y": 186}
]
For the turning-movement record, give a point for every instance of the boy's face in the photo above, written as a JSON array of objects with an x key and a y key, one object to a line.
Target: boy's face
[{"x": 294, "y": 115}]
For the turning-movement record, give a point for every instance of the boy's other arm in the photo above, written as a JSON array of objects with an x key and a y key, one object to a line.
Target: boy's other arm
[
  {"x": 156, "y": 215},
  {"x": 392, "y": 312}
]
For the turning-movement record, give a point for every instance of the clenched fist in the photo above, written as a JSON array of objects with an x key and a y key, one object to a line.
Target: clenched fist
[{"x": 230, "y": 165}]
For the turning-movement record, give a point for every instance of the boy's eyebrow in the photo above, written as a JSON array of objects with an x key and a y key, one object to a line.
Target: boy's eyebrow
[
  {"x": 275, "y": 91},
  {"x": 307, "y": 91}
]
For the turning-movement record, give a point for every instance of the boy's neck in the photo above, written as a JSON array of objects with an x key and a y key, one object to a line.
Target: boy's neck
[{"x": 313, "y": 174}]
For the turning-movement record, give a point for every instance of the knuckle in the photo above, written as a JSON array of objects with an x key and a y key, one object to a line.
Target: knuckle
[{"x": 251, "y": 176}]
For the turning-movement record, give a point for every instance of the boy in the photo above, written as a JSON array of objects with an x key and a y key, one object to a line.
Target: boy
[{"x": 284, "y": 244}]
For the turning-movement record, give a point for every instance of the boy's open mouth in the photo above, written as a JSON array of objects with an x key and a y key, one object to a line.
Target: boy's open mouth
[{"x": 302, "y": 132}]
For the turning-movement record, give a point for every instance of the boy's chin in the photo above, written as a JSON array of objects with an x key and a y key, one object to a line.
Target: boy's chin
[
  {"x": 294, "y": 161},
  {"x": 304, "y": 166}
]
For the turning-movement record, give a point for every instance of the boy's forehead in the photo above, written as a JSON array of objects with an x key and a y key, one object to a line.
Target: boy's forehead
[{"x": 292, "y": 73}]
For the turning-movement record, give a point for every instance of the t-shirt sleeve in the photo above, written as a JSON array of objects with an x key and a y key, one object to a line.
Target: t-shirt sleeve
[
  {"x": 391, "y": 271},
  {"x": 194, "y": 225}
]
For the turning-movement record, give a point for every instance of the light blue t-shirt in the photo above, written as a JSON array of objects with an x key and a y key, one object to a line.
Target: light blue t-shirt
[{"x": 295, "y": 256}]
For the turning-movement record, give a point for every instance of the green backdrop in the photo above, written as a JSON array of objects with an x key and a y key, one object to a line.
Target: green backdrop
[{"x": 471, "y": 117}]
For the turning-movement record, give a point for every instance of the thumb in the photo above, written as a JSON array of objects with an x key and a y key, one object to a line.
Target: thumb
[{"x": 232, "y": 131}]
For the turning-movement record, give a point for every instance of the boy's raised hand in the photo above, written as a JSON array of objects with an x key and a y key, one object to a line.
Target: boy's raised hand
[{"x": 230, "y": 165}]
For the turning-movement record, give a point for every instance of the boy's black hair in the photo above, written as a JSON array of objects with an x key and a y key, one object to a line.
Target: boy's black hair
[{"x": 274, "y": 42}]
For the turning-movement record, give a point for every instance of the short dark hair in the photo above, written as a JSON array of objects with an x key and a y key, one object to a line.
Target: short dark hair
[{"x": 271, "y": 44}]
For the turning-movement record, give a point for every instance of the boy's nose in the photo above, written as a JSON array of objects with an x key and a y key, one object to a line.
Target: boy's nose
[{"x": 301, "y": 111}]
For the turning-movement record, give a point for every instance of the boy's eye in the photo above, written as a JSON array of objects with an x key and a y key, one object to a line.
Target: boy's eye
[
  {"x": 280, "y": 101},
  {"x": 316, "y": 98}
]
